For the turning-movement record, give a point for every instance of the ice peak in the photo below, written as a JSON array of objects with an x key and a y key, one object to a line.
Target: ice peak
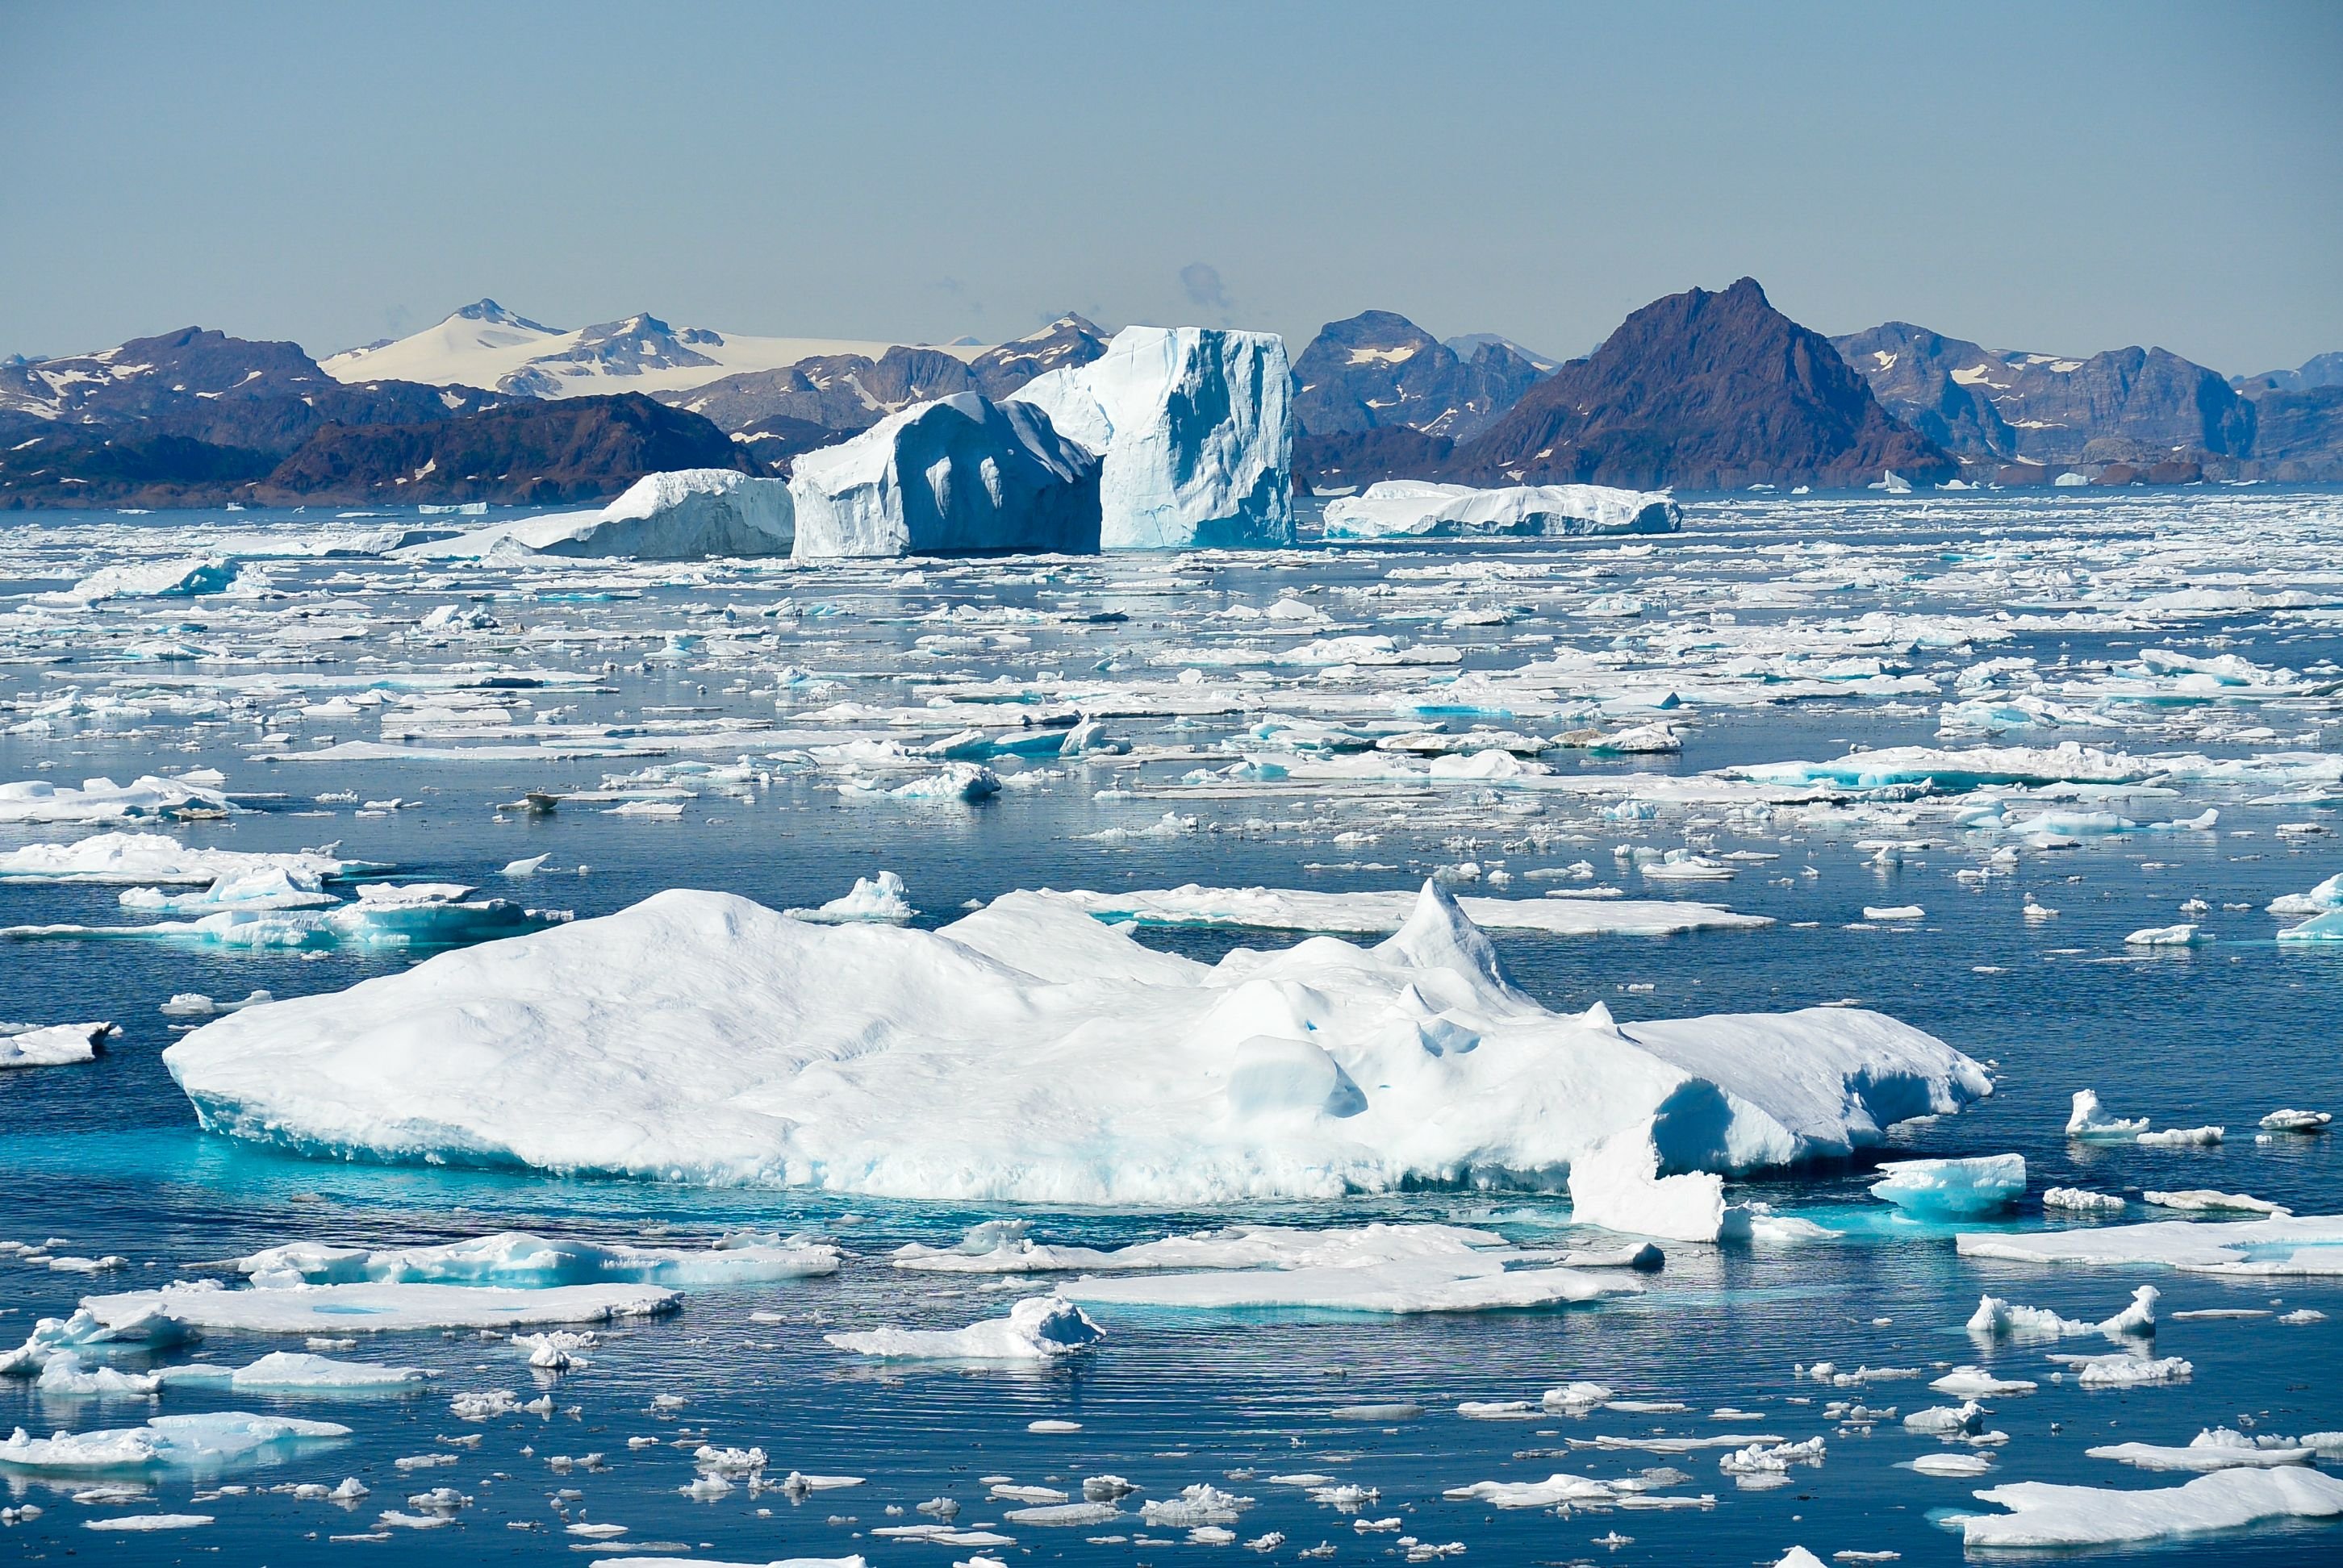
[{"x": 1441, "y": 935}]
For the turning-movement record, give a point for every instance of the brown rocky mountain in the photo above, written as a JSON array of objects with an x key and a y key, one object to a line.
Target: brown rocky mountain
[{"x": 1701, "y": 391}]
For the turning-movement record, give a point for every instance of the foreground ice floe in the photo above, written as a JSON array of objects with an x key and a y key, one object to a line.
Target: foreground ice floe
[
  {"x": 2276, "y": 1247},
  {"x": 2216, "y": 1448},
  {"x": 517, "y": 1260},
  {"x": 1039, "y": 1327},
  {"x": 168, "y": 1442},
  {"x": 1418, "y": 508},
  {"x": 2042, "y": 1514},
  {"x": 1029, "y": 1052}
]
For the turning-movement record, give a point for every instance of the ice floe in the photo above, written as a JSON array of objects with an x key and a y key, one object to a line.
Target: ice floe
[
  {"x": 517, "y": 1260},
  {"x": 50, "y": 1045},
  {"x": 1346, "y": 914},
  {"x": 2040, "y": 1513},
  {"x": 1952, "y": 1187},
  {"x": 2276, "y": 1248},
  {"x": 167, "y": 1442},
  {"x": 1037, "y": 1328},
  {"x": 1418, "y": 508},
  {"x": 717, "y": 1025}
]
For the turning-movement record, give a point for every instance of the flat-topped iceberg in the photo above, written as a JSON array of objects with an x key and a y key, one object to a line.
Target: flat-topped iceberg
[
  {"x": 1195, "y": 432},
  {"x": 960, "y": 474},
  {"x": 1422, "y": 509},
  {"x": 1027, "y": 1052}
]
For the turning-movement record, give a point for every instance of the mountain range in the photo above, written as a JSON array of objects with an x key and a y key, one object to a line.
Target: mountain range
[{"x": 1699, "y": 390}]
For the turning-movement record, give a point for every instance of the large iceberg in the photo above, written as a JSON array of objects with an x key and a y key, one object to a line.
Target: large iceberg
[
  {"x": 1028, "y": 1052},
  {"x": 958, "y": 475},
  {"x": 1422, "y": 509},
  {"x": 1195, "y": 431}
]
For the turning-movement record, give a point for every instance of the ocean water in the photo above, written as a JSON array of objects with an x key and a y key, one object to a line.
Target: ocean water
[{"x": 1773, "y": 630}]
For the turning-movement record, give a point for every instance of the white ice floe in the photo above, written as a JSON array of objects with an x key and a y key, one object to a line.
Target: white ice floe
[
  {"x": 1037, "y": 1328},
  {"x": 295, "y": 1372},
  {"x": 957, "y": 475},
  {"x": 1379, "y": 1269},
  {"x": 2041, "y": 1514},
  {"x": 2215, "y": 1448},
  {"x": 421, "y": 915},
  {"x": 1949, "y": 1187},
  {"x": 2182, "y": 1138},
  {"x": 2290, "y": 1120},
  {"x": 1202, "y": 1504},
  {"x": 517, "y": 1260},
  {"x": 144, "y": 798},
  {"x": 2206, "y": 1201},
  {"x": 167, "y": 1442},
  {"x": 2081, "y": 1201},
  {"x": 2280, "y": 1247},
  {"x": 1194, "y": 427},
  {"x": 2089, "y": 1122},
  {"x": 2180, "y": 936},
  {"x": 50, "y": 1045},
  {"x": 1419, "y": 508},
  {"x": 183, "y": 578},
  {"x": 176, "y": 1313},
  {"x": 1361, "y": 914},
  {"x": 1997, "y": 1319},
  {"x": 1028, "y": 1052},
  {"x": 1975, "y": 1383},
  {"x": 2124, "y": 1370},
  {"x": 131, "y": 860}
]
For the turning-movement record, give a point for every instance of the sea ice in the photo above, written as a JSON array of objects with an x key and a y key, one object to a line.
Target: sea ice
[
  {"x": 167, "y": 1442},
  {"x": 2090, "y": 1123},
  {"x": 148, "y": 859},
  {"x": 1039, "y": 1327},
  {"x": 2216, "y": 1448},
  {"x": 1417, "y": 508},
  {"x": 879, "y": 897},
  {"x": 1027, "y": 1052},
  {"x": 172, "y": 1312},
  {"x": 2278, "y": 1247},
  {"x": 1996, "y": 1317},
  {"x": 1195, "y": 432},
  {"x": 960, "y": 473},
  {"x": 517, "y": 1260},
  {"x": 145, "y": 798},
  {"x": 1348, "y": 914},
  {"x": 1948, "y": 1187},
  {"x": 53, "y": 1045},
  {"x": 685, "y": 514},
  {"x": 1617, "y": 1186},
  {"x": 2044, "y": 1514}
]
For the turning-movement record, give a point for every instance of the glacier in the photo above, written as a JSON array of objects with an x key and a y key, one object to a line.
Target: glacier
[
  {"x": 1026, "y": 1052},
  {"x": 1422, "y": 510},
  {"x": 1195, "y": 431},
  {"x": 961, "y": 475}
]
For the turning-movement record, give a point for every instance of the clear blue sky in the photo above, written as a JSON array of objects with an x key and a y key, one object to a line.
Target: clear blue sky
[{"x": 2063, "y": 176}]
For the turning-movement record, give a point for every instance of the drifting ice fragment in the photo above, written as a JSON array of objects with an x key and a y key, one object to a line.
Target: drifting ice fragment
[
  {"x": 1039, "y": 1327},
  {"x": 1973, "y": 1186}
]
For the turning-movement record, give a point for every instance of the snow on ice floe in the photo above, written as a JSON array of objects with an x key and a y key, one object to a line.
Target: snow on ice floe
[
  {"x": 145, "y": 798},
  {"x": 168, "y": 1442},
  {"x": 1037, "y": 1328},
  {"x": 1195, "y": 433},
  {"x": 2281, "y": 1247},
  {"x": 960, "y": 474},
  {"x": 177, "y": 1312},
  {"x": 1948, "y": 1187},
  {"x": 132, "y": 860},
  {"x": 1027, "y": 1052},
  {"x": 1304, "y": 909},
  {"x": 1417, "y": 508},
  {"x": 50, "y": 1045},
  {"x": 2216, "y": 1448},
  {"x": 2042, "y": 1514}
]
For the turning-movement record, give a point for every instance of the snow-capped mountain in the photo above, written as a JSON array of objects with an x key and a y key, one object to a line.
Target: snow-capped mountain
[{"x": 484, "y": 345}]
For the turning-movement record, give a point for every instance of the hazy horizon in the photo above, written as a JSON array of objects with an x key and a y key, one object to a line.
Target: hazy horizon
[{"x": 2065, "y": 181}]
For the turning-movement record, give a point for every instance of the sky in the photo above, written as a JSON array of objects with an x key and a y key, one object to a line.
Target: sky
[{"x": 2062, "y": 177}]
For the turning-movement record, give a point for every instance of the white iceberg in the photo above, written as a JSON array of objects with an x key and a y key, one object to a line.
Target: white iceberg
[
  {"x": 2088, "y": 1122},
  {"x": 956, "y": 475},
  {"x": 1195, "y": 431},
  {"x": 1039, "y": 1327},
  {"x": 2042, "y": 1514},
  {"x": 1941, "y": 1186},
  {"x": 1617, "y": 1186},
  {"x": 1027, "y": 1052},
  {"x": 685, "y": 514},
  {"x": 184, "y": 578},
  {"x": 1996, "y": 1318},
  {"x": 880, "y": 898},
  {"x": 1419, "y": 508}
]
